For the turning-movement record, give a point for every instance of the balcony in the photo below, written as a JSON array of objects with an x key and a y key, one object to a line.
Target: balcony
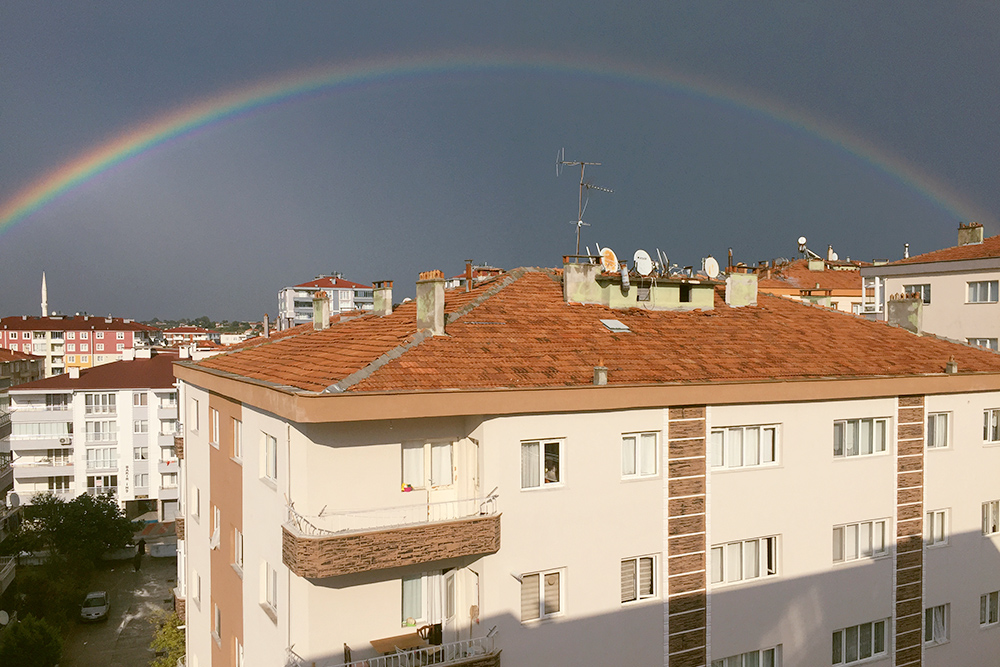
[
  {"x": 7, "y": 566},
  {"x": 42, "y": 466},
  {"x": 478, "y": 652},
  {"x": 347, "y": 542},
  {"x": 27, "y": 496}
]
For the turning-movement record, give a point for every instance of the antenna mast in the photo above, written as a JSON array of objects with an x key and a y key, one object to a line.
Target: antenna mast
[{"x": 561, "y": 162}]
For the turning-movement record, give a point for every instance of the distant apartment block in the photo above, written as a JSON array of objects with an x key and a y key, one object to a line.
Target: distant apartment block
[
  {"x": 956, "y": 288},
  {"x": 825, "y": 282},
  {"x": 108, "y": 429},
  {"x": 80, "y": 341},
  {"x": 295, "y": 303},
  {"x": 185, "y": 333}
]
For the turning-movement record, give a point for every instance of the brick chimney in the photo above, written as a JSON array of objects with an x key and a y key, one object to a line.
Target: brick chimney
[
  {"x": 430, "y": 302},
  {"x": 321, "y": 310},
  {"x": 383, "y": 297},
  {"x": 970, "y": 234}
]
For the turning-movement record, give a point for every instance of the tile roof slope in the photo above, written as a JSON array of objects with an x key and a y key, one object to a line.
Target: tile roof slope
[
  {"x": 990, "y": 247},
  {"x": 157, "y": 372},
  {"x": 14, "y": 355},
  {"x": 75, "y": 323},
  {"x": 525, "y": 335},
  {"x": 327, "y": 281},
  {"x": 797, "y": 275}
]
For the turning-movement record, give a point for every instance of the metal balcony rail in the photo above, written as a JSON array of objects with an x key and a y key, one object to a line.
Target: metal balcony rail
[
  {"x": 6, "y": 565},
  {"x": 354, "y": 521},
  {"x": 442, "y": 654},
  {"x": 38, "y": 407},
  {"x": 25, "y": 461}
]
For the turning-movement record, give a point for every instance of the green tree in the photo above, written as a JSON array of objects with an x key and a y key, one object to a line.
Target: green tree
[
  {"x": 168, "y": 638},
  {"x": 31, "y": 642}
]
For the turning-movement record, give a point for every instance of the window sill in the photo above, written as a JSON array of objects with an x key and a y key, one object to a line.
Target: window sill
[
  {"x": 936, "y": 545},
  {"x": 859, "y": 561},
  {"x": 764, "y": 466},
  {"x": 267, "y": 481},
  {"x": 270, "y": 611},
  {"x": 237, "y": 460},
  {"x": 640, "y": 478},
  {"x": 642, "y": 602},
  {"x": 217, "y": 639},
  {"x": 544, "y": 487},
  {"x": 932, "y": 644},
  {"x": 549, "y": 618},
  {"x": 746, "y": 582},
  {"x": 237, "y": 569}
]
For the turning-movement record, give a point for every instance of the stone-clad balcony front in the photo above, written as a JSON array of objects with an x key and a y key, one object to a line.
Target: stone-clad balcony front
[{"x": 348, "y": 542}]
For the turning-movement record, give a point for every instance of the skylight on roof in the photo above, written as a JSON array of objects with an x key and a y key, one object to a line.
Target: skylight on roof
[{"x": 615, "y": 325}]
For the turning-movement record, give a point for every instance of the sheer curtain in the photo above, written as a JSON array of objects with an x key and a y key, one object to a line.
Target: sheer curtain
[{"x": 530, "y": 465}]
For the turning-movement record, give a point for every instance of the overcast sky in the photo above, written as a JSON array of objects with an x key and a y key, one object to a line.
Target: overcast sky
[{"x": 412, "y": 173}]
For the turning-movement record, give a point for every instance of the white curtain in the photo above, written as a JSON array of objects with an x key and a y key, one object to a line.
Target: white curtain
[
  {"x": 435, "y": 595},
  {"x": 628, "y": 455},
  {"x": 530, "y": 465},
  {"x": 649, "y": 454},
  {"x": 441, "y": 467}
]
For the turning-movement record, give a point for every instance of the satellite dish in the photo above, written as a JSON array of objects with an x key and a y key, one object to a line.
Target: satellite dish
[
  {"x": 4, "y": 618},
  {"x": 711, "y": 267},
  {"x": 802, "y": 240},
  {"x": 13, "y": 500},
  {"x": 642, "y": 262},
  {"x": 609, "y": 260},
  {"x": 834, "y": 257}
]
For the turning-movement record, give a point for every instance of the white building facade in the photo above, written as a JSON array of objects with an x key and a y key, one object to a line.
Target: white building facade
[{"x": 295, "y": 303}]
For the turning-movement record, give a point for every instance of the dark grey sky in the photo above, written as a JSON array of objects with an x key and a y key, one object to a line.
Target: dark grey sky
[{"x": 386, "y": 180}]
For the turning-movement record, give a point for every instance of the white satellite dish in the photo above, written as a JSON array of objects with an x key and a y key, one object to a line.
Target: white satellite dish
[
  {"x": 642, "y": 262},
  {"x": 834, "y": 257},
  {"x": 609, "y": 260},
  {"x": 4, "y": 618},
  {"x": 711, "y": 267},
  {"x": 802, "y": 240},
  {"x": 13, "y": 500}
]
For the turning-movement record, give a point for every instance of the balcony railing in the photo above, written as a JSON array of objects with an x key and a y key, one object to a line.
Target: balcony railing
[
  {"x": 38, "y": 407},
  {"x": 462, "y": 652},
  {"x": 102, "y": 490},
  {"x": 27, "y": 496},
  {"x": 353, "y": 521}
]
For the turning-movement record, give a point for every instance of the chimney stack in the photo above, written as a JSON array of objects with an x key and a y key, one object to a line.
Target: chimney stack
[
  {"x": 468, "y": 275},
  {"x": 383, "y": 297},
  {"x": 970, "y": 234},
  {"x": 321, "y": 310},
  {"x": 74, "y": 372},
  {"x": 267, "y": 326},
  {"x": 600, "y": 375},
  {"x": 741, "y": 290},
  {"x": 430, "y": 302}
]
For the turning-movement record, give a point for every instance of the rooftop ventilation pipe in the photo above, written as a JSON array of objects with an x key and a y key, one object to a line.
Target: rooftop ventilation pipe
[
  {"x": 600, "y": 375},
  {"x": 383, "y": 297},
  {"x": 468, "y": 275},
  {"x": 430, "y": 302}
]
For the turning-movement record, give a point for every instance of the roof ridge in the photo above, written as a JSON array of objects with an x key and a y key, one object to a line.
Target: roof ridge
[{"x": 510, "y": 278}]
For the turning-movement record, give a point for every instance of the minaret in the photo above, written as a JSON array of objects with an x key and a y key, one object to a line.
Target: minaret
[{"x": 45, "y": 297}]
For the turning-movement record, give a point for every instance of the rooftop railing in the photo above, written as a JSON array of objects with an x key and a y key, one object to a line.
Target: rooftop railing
[
  {"x": 354, "y": 521},
  {"x": 442, "y": 654}
]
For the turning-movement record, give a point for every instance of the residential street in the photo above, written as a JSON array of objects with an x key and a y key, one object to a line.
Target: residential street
[{"x": 123, "y": 640}]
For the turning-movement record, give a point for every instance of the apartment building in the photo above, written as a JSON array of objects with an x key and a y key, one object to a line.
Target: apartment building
[
  {"x": 956, "y": 288},
  {"x": 554, "y": 468},
  {"x": 295, "y": 303},
  {"x": 108, "y": 429},
  {"x": 186, "y": 333},
  {"x": 81, "y": 341},
  {"x": 824, "y": 282}
]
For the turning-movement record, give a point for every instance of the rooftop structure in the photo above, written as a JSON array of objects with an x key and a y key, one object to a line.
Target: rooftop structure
[{"x": 295, "y": 303}]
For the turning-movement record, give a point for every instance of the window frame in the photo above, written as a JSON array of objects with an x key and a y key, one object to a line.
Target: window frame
[
  {"x": 269, "y": 455},
  {"x": 213, "y": 427},
  {"x": 875, "y": 554},
  {"x": 991, "y": 426},
  {"x": 639, "y": 595},
  {"x": 974, "y": 291},
  {"x": 844, "y": 632},
  {"x": 542, "y": 576},
  {"x": 984, "y": 343},
  {"x": 923, "y": 290},
  {"x": 932, "y": 520},
  {"x": 991, "y": 518},
  {"x": 989, "y": 609},
  {"x": 424, "y": 452},
  {"x": 719, "y": 445},
  {"x": 238, "y": 550},
  {"x": 751, "y": 658},
  {"x": 766, "y": 548},
  {"x": 931, "y": 614},
  {"x": 269, "y": 586},
  {"x": 873, "y": 430},
  {"x": 237, "y": 439},
  {"x": 639, "y": 457},
  {"x": 560, "y": 472},
  {"x": 931, "y": 435}
]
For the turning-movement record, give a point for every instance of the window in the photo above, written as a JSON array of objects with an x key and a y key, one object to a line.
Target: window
[
  {"x": 640, "y": 455},
  {"x": 923, "y": 291},
  {"x": 70, "y": 335},
  {"x": 765, "y": 657},
  {"x": 120, "y": 346},
  {"x": 238, "y": 548},
  {"x": 744, "y": 560},
  {"x": 139, "y": 399},
  {"x": 859, "y": 642},
  {"x": 140, "y": 426},
  {"x": 270, "y": 452},
  {"x": 991, "y": 517},
  {"x": 120, "y": 335},
  {"x": 744, "y": 446},
  {"x": 269, "y": 586},
  {"x": 84, "y": 335},
  {"x": 142, "y": 480},
  {"x": 168, "y": 480},
  {"x": 168, "y": 426},
  {"x": 859, "y": 437},
  {"x": 638, "y": 578},
  {"x": 936, "y": 624},
  {"x": 991, "y": 425},
  {"x": 237, "y": 439},
  {"x": 541, "y": 595},
  {"x": 195, "y": 502},
  {"x": 984, "y": 291},
  {"x": 937, "y": 430},
  {"x": 26, "y": 335},
  {"x": 196, "y": 589},
  {"x": 102, "y": 457},
  {"x": 99, "y": 335},
  {"x": 217, "y": 623},
  {"x": 540, "y": 461},
  {"x": 213, "y": 427},
  {"x": 936, "y": 528},
  {"x": 859, "y": 540},
  {"x": 989, "y": 608},
  {"x": 427, "y": 465},
  {"x": 100, "y": 347},
  {"x": 71, "y": 358},
  {"x": 169, "y": 400},
  {"x": 101, "y": 431},
  {"x": 987, "y": 343},
  {"x": 140, "y": 453},
  {"x": 413, "y": 599},
  {"x": 59, "y": 483},
  {"x": 193, "y": 417},
  {"x": 99, "y": 404},
  {"x": 168, "y": 453},
  {"x": 71, "y": 347}
]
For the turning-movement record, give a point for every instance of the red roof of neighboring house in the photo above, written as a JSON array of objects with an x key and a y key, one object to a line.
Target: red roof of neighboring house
[
  {"x": 14, "y": 355},
  {"x": 517, "y": 331},
  {"x": 330, "y": 281},
  {"x": 187, "y": 329},
  {"x": 990, "y": 247},
  {"x": 153, "y": 373},
  {"x": 796, "y": 275},
  {"x": 75, "y": 323}
]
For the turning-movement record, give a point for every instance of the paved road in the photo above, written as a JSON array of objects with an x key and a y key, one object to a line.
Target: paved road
[{"x": 123, "y": 640}]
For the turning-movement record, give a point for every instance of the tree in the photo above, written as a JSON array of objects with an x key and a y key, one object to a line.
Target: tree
[
  {"x": 30, "y": 643},
  {"x": 168, "y": 638}
]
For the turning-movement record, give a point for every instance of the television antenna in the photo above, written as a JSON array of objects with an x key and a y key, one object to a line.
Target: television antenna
[{"x": 561, "y": 162}]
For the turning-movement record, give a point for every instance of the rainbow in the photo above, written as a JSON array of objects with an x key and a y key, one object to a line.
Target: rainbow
[{"x": 234, "y": 104}]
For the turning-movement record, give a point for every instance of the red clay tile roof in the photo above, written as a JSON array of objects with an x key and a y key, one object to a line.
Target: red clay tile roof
[
  {"x": 153, "y": 373},
  {"x": 328, "y": 281},
  {"x": 990, "y": 247},
  {"x": 187, "y": 329},
  {"x": 797, "y": 276},
  {"x": 13, "y": 355},
  {"x": 75, "y": 323},
  {"x": 516, "y": 331}
]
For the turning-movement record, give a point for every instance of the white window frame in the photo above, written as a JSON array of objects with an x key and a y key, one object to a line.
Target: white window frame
[
  {"x": 216, "y": 623},
  {"x": 991, "y": 518},
  {"x": 193, "y": 420},
  {"x": 269, "y": 456},
  {"x": 71, "y": 347},
  {"x": 168, "y": 480},
  {"x": 99, "y": 334},
  {"x": 196, "y": 588},
  {"x": 843, "y": 427},
  {"x": 140, "y": 399},
  {"x": 140, "y": 426},
  {"x": 141, "y": 480},
  {"x": 938, "y": 430},
  {"x": 989, "y": 609},
  {"x": 765, "y": 657},
  {"x": 937, "y": 527},
  {"x": 982, "y": 291},
  {"x": 723, "y": 445},
  {"x": 985, "y": 343},
  {"x": 730, "y": 556},
  {"x": 861, "y": 541},
  {"x": 844, "y": 635},
  {"x": 140, "y": 453},
  {"x": 269, "y": 586},
  {"x": 196, "y": 502},
  {"x": 415, "y": 584},
  {"x": 637, "y": 460},
  {"x": 991, "y": 425},
  {"x": 543, "y": 609},
  {"x": 120, "y": 335},
  {"x": 923, "y": 290},
  {"x": 238, "y": 550},
  {"x": 213, "y": 427},
  {"x": 530, "y": 469},
  {"x": 237, "y": 439},
  {"x": 937, "y": 624},
  {"x": 70, "y": 335},
  {"x": 422, "y": 465},
  {"x": 633, "y": 579}
]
